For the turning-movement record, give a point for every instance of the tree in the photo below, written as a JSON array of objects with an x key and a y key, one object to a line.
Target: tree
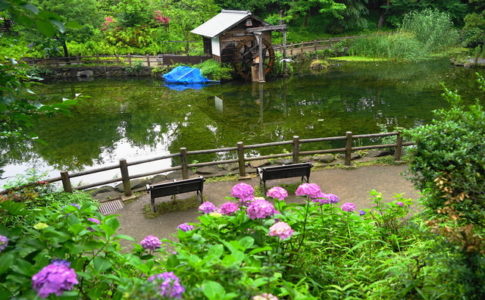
[
  {"x": 77, "y": 20},
  {"x": 303, "y": 8}
]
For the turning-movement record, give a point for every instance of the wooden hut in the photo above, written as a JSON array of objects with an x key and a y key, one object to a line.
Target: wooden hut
[{"x": 241, "y": 39}]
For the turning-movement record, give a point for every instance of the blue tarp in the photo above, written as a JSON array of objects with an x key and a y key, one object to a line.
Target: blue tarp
[
  {"x": 183, "y": 87},
  {"x": 185, "y": 75}
]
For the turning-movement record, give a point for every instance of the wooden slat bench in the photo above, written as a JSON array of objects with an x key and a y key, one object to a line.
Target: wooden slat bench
[
  {"x": 285, "y": 171},
  {"x": 174, "y": 188}
]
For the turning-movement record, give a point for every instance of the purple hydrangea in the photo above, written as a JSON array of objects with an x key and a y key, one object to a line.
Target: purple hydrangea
[
  {"x": 207, "y": 207},
  {"x": 281, "y": 230},
  {"x": 54, "y": 279},
  {"x": 228, "y": 208},
  {"x": 277, "y": 193},
  {"x": 94, "y": 220},
  {"x": 348, "y": 207},
  {"x": 150, "y": 242},
  {"x": 75, "y": 205},
  {"x": 311, "y": 190},
  {"x": 400, "y": 203},
  {"x": 185, "y": 227},
  {"x": 361, "y": 212},
  {"x": 326, "y": 198},
  {"x": 3, "y": 242},
  {"x": 260, "y": 209},
  {"x": 243, "y": 191},
  {"x": 170, "y": 286}
]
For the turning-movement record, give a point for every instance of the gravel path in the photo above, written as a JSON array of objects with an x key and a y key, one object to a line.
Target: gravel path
[{"x": 352, "y": 185}]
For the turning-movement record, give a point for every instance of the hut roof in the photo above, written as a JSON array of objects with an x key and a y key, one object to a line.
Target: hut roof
[{"x": 224, "y": 20}]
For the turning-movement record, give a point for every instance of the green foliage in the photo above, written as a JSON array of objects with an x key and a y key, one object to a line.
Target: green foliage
[
  {"x": 474, "y": 29},
  {"x": 449, "y": 153},
  {"x": 400, "y": 46},
  {"x": 432, "y": 28},
  {"x": 215, "y": 70}
]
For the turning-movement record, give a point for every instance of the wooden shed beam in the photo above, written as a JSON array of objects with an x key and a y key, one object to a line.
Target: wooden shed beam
[{"x": 267, "y": 28}]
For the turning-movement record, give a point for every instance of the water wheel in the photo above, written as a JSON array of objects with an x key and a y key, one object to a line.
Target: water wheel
[{"x": 244, "y": 54}]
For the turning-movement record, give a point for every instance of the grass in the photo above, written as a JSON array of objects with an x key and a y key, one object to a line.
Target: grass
[{"x": 358, "y": 58}]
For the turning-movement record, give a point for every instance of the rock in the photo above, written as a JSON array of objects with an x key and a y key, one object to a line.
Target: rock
[
  {"x": 106, "y": 196},
  {"x": 207, "y": 170},
  {"x": 355, "y": 156},
  {"x": 284, "y": 161},
  {"x": 158, "y": 178},
  {"x": 174, "y": 175},
  {"x": 229, "y": 167},
  {"x": 85, "y": 74},
  {"x": 103, "y": 189},
  {"x": 379, "y": 153},
  {"x": 135, "y": 184},
  {"x": 259, "y": 163},
  {"x": 325, "y": 158},
  {"x": 305, "y": 159},
  {"x": 319, "y": 65}
]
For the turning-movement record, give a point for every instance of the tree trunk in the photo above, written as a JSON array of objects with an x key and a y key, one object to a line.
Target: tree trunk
[
  {"x": 64, "y": 47},
  {"x": 382, "y": 16}
]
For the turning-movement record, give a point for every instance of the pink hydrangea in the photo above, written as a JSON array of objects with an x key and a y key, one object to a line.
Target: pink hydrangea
[
  {"x": 94, "y": 220},
  {"x": 348, "y": 207},
  {"x": 228, "y": 208},
  {"x": 150, "y": 242},
  {"x": 281, "y": 230},
  {"x": 207, "y": 207},
  {"x": 265, "y": 296},
  {"x": 243, "y": 191},
  {"x": 277, "y": 193},
  {"x": 311, "y": 190},
  {"x": 55, "y": 278},
  {"x": 400, "y": 203},
  {"x": 260, "y": 209}
]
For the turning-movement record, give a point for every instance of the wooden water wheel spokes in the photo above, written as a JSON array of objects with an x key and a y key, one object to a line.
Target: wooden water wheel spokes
[{"x": 245, "y": 53}]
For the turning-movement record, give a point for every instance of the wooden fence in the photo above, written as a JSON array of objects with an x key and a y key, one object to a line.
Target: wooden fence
[
  {"x": 241, "y": 159},
  {"x": 117, "y": 60},
  {"x": 298, "y": 48}
]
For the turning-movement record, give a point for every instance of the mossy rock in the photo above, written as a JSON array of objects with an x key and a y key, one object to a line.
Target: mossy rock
[{"x": 319, "y": 65}]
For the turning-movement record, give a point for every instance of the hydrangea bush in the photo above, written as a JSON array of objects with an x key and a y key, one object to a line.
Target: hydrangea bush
[{"x": 248, "y": 248}]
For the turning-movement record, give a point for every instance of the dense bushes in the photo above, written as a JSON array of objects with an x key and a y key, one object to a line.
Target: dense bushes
[
  {"x": 420, "y": 34},
  {"x": 214, "y": 70}
]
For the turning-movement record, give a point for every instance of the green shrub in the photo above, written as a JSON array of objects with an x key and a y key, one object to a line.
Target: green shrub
[
  {"x": 401, "y": 46},
  {"x": 448, "y": 165},
  {"x": 215, "y": 70},
  {"x": 432, "y": 28}
]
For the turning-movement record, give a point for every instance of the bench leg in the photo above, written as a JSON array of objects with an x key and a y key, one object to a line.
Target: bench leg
[
  {"x": 199, "y": 196},
  {"x": 152, "y": 201}
]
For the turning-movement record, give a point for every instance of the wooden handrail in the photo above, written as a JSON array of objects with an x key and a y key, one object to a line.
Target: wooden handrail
[{"x": 241, "y": 158}]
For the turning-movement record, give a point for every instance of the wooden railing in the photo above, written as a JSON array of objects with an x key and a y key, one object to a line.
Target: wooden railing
[
  {"x": 117, "y": 60},
  {"x": 240, "y": 148},
  {"x": 298, "y": 48}
]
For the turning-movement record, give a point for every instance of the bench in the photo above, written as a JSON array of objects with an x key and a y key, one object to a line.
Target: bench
[
  {"x": 285, "y": 171},
  {"x": 174, "y": 188}
]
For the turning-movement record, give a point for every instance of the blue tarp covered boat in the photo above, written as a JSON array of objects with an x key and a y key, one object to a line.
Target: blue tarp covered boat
[{"x": 185, "y": 75}]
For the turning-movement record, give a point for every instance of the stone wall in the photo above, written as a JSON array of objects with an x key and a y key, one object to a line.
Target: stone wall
[{"x": 93, "y": 71}]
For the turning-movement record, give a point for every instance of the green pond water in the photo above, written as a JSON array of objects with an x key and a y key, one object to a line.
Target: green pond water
[{"x": 141, "y": 118}]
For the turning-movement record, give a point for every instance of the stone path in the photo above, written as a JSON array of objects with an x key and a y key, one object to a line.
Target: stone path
[{"x": 352, "y": 185}]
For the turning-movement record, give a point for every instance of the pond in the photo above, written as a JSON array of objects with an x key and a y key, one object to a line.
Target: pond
[{"x": 141, "y": 118}]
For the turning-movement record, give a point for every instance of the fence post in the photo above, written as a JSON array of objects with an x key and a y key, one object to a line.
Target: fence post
[
  {"x": 296, "y": 149},
  {"x": 125, "y": 177},
  {"x": 183, "y": 163},
  {"x": 148, "y": 60},
  {"x": 240, "y": 157},
  {"x": 348, "y": 148},
  {"x": 398, "y": 151},
  {"x": 66, "y": 182}
]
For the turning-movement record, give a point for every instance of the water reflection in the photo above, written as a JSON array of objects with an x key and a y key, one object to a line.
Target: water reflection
[{"x": 136, "y": 119}]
